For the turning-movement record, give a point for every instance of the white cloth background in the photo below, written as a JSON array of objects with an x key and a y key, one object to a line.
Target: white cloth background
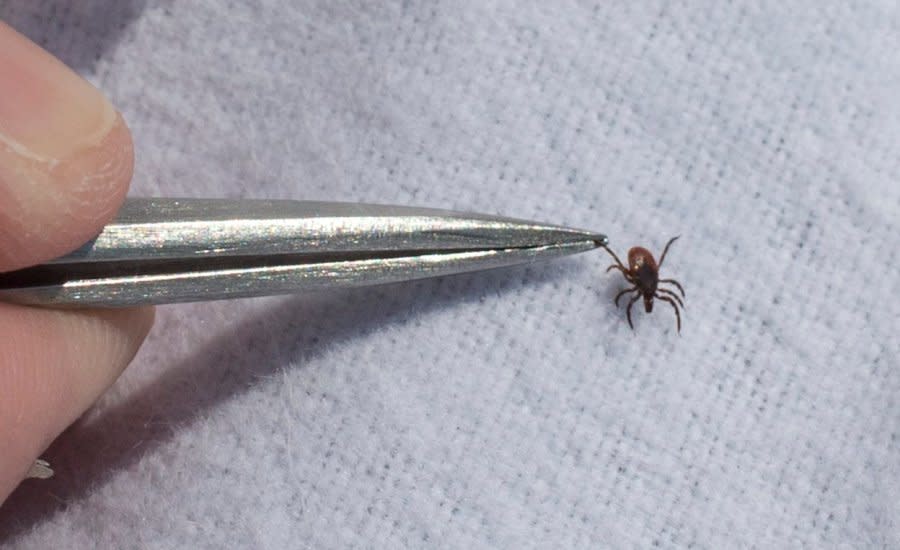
[{"x": 514, "y": 408}]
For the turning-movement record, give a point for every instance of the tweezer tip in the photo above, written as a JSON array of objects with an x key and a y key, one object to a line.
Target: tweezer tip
[
  {"x": 599, "y": 239},
  {"x": 583, "y": 236}
]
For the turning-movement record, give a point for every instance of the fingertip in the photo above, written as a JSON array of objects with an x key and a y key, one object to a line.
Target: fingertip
[
  {"x": 49, "y": 209},
  {"x": 66, "y": 156},
  {"x": 53, "y": 366}
]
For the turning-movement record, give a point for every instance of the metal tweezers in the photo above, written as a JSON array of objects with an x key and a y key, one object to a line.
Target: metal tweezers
[{"x": 161, "y": 251}]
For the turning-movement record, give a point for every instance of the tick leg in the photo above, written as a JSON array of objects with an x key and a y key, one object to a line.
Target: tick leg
[
  {"x": 666, "y": 249},
  {"x": 619, "y": 295},
  {"x": 677, "y": 314},
  {"x": 625, "y": 274},
  {"x": 668, "y": 292},
  {"x": 628, "y": 311},
  {"x": 674, "y": 282},
  {"x": 616, "y": 258}
]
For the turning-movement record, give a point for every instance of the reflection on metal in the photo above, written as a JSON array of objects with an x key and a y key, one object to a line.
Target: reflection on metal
[{"x": 179, "y": 250}]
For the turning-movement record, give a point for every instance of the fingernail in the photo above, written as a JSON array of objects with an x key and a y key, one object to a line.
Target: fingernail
[
  {"x": 40, "y": 469},
  {"x": 47, "y": 112}
]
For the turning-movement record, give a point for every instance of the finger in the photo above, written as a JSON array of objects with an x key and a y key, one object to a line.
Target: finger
[
  {"x": 66, "y": 155},
  {"x": 65, "y": 164},
  {"x": 53, "y": 366}
]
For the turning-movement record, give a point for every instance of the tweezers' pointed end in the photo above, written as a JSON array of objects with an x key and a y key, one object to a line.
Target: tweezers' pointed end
[
  {"x": 561, "y": 241},
  {"x": 581, "y": 235},
  {"x": 573, "y": 240},
  {"x": 600, "y": 240}
]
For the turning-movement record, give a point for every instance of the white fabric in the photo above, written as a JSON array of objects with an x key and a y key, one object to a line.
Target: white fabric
[{"x": 514, "y": 408}]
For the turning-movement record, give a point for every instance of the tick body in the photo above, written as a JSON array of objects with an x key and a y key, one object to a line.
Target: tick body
[{"x": 642, "y": 273}]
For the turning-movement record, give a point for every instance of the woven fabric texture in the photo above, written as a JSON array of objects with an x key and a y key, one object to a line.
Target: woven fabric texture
[{"x": 515, "y": 408}]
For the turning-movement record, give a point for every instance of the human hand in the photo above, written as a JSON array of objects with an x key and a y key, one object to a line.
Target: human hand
[{"x": 65, "y": 164}]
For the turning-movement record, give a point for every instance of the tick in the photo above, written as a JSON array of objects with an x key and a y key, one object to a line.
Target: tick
[{"x": 643, "y": 274}]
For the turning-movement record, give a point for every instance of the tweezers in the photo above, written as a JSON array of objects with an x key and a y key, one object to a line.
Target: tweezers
[{"x": 161, "y": 251}]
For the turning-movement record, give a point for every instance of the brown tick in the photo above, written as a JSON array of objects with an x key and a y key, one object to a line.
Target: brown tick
[{"x": 643, "y": 274}]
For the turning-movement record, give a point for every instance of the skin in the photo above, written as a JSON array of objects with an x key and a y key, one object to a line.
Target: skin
[{"x": 66, "y": 160}]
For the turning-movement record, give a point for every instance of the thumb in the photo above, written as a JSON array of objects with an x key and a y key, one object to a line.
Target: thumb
[
  {"x": 65, "y": 164},
  {"x": 65, "y": 156}
]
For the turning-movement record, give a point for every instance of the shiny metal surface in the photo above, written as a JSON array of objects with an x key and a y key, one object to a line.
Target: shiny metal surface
[{"x": 178, "y": 250}]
